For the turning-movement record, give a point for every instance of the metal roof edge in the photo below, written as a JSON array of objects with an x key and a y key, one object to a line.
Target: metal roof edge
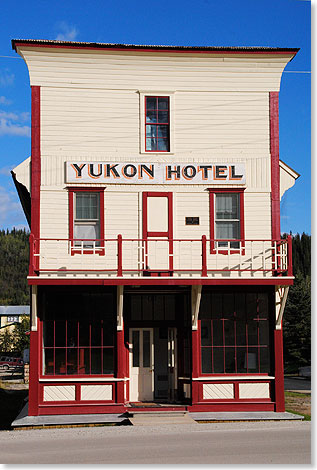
[{"x": 94, "y": 45}]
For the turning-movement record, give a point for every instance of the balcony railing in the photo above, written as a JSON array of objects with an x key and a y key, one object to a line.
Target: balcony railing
[{"x": 194, "y": 258}]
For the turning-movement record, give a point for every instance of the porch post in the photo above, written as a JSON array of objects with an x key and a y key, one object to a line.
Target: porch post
[
  {"x": 34, "y": 356},
  {"x": 121, "y": 356},
  {"x": 196, "y": 297},
  {"x": 279, "y": 371}
]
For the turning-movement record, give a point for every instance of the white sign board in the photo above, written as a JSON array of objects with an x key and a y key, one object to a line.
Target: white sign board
[{"x": 155, "y": 173}]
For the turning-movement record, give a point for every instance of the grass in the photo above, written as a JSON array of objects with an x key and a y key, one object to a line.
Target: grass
[{"x": 298, "y": 403}]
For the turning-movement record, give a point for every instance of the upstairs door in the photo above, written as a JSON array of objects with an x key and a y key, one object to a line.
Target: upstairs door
[{"x": 158, "y": 232}]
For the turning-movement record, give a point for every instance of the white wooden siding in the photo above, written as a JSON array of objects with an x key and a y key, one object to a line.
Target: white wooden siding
[
  {"x": 148, "y": 70},
  {"x": 257, "y": 216},
  {"x": 89, "y": 121}
]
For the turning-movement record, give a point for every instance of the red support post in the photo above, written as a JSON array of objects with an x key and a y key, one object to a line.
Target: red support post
[
  {"x": 31, "y": 262},
  {"x": 119, "y": 273},
  {"x": 195, "y": 366},
  {"x": 279, "y": 371},
  {"x": 121, "y": 366},
  {"x": 34, "y": 374},
  {"x": 204, "y": 256},
  {"x": 289, "y": 256}
]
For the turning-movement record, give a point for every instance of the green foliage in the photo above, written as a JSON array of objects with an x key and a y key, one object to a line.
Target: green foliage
[
  {"x": 6, "y": 341},
  {"x": 297, "y": 315},
  {"x": 20, "y": 339},
  {"x": 14, "y": 260}
]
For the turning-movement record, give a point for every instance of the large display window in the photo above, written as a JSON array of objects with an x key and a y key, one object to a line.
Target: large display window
[
  {"x": 78, "y": 330},
  {"x": 235, "y": 332}
]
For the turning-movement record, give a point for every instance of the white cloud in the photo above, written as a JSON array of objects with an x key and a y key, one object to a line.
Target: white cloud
[
  {"x": 10, "y": 209},
  {"x": 67, "y": 32},
  {"x": 14, "y": 123},
  {"x": 5, "y": 170},
  {"x": 25, "y": 116},
  {"x": 9, "y": 128},
  {"x": 4, "y": 100},
  {"x": 6, "y": 78}
]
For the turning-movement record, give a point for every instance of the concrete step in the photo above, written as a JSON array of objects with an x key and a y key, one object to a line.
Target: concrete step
[{"x": 143, "y": 418}]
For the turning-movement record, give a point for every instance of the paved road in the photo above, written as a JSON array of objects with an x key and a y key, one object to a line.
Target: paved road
[{"x": 285, "y": 442}]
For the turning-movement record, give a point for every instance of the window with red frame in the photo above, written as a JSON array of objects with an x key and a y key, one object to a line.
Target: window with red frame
[
  {"x": 86, "y": 218},
  {"x": 226, "y": 219},
  {"x": 235, "y": 332},
  {"x": 157, "y": 124},
  {"x": 78, "y": 333}
]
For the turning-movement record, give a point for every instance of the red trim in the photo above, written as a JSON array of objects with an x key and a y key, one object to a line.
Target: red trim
[
  {"x": 290, "y": 255},
  {"x": 36, "y": 163},
  {"x": 275, "y": 167},
  {"x": 277, "y": 281},
  {"x": 34, "y": 374},
  {"x": 128, "y": 47},
  {"x": 212, "y": 192},
  {"x": 169, "y": 234},
  {"x": 78, "y": 409},
  {"x": 237, "y": 406},
  {"x": 71, "y": 191},
  {"x": 279, "y": 372}
]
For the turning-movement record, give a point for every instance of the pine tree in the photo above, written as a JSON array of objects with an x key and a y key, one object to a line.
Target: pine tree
[{"x": 297, "y": 315}]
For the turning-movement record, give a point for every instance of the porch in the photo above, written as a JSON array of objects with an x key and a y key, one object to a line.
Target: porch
[{"x": 181, "y": 259}]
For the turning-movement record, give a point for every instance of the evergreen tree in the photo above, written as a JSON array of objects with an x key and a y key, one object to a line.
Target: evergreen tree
[
  {"x": 297, "y": 315},
  {"x": 14, "y": 260}
]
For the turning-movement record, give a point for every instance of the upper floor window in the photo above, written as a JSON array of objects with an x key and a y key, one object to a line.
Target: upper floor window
[
  {"x": 157, "y": 124},
  {"x": 87, "y": 217},
  {"x": 86, "y": 213},
  {"x": 226, "y": 218}
]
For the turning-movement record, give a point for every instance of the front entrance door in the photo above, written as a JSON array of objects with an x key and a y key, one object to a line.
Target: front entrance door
[
  {"x": 158, "y": 232},
  {"x": 141, "y": 364},
  {"x": 153, "y": 364}
]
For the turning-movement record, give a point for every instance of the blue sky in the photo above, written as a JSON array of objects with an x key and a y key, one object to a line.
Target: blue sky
[{"x": 275, "y": 23}]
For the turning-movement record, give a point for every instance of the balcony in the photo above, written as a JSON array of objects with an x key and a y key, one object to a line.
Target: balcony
[{"x": 183, "y": 261}]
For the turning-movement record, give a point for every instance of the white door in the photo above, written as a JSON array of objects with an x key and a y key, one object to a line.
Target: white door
[{"x": 141, "y": 364}]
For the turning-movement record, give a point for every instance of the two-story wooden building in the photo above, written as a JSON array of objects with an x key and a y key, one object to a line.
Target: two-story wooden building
[{"x": 157, "y": 269}]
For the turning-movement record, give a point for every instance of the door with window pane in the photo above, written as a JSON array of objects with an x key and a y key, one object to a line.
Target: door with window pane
[{"x": 141, "y": 364}]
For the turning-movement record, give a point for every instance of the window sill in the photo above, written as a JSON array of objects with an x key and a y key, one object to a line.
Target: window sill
[
  {"x": 226, "y": 252},
  {"x": 234, "y": 377},
  {"x": 99, "y": 251},
  {"x": 155, "y": 152},
  {"x": 84, "y": 378}
]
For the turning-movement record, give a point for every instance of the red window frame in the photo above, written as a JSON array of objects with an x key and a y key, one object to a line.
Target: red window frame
[
  {"x": 249, "y": 348},
  {"x": 71, "y": 195},
  {"x": 212, "y": 193},
  {"x": 167, "y": 124}
]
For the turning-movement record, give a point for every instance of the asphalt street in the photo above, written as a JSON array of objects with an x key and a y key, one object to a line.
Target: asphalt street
[{"x": 282, "y": 442}]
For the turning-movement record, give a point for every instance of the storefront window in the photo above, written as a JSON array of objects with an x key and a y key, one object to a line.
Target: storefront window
[
  {"x": 235, "y": 333},
  {"x": 78, "y": 334}
]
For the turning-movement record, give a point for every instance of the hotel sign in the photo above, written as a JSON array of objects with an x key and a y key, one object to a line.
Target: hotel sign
[{"x": 155, "y": 173}]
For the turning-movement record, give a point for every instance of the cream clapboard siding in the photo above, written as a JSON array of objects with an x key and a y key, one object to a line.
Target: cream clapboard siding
[
  {"x": 122, "y": 216},
  {"x": 80, "y": 121},
  {"x": 150, "y": 70}
]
